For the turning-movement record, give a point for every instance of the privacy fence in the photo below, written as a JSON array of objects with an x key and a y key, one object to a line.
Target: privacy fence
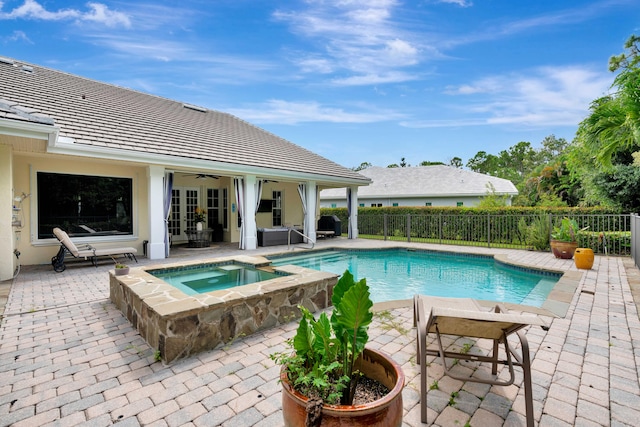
[{"x": 604, "y": 233}]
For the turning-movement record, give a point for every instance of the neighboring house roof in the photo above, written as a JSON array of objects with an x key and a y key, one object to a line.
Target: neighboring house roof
[
  {"x": 96, "y": 114},
  {"x": 424, "y": 181}
]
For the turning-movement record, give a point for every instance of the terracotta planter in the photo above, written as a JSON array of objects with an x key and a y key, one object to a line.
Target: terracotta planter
[
  {"x": 583, "y": 257},
  {"x": 385, "y": 412},
  {"x": 562, "y": 249}
]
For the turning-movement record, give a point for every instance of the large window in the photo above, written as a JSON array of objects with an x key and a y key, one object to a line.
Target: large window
[{"x": 84, "y": 205}]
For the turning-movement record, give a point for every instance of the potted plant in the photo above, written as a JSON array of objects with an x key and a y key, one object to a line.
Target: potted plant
[
  {"x": 327, "y": 358},
  {"x": 564, "y": 238},
  {"x": 121, "y": 269},
  {"x": 199, "y": 216}
]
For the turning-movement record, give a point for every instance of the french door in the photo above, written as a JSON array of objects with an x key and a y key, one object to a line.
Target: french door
[{"x": 184, "y": 201}]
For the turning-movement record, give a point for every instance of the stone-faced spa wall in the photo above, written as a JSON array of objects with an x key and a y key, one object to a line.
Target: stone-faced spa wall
[{"x": 179, "y": 325}]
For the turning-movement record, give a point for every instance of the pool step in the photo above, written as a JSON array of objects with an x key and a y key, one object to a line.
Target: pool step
[{"x": 312, "y": 259}]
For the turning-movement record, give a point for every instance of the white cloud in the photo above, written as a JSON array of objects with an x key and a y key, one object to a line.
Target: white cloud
[
  {"x": 97, "y": 12},
  {"x": 315, "y": 65},
  {"x": 374, "y": 78},
  {"x": 461, "y": 3},
  {"x": 101, "y": 13},
  {"x": 354, "y": 37},
  {"x": 18, "y": 35},
  {"x": 291, "y": 113},
  {"x": 544, "y": 97}
]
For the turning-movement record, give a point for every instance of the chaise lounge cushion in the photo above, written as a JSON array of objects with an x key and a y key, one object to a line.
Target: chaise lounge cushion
[{"x": 85, "y": 251}]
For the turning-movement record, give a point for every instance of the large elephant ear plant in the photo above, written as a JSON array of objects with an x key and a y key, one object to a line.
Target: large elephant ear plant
[{"x": 321, "y": 366}]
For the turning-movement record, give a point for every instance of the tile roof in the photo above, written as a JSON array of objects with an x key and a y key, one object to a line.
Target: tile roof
[
  {"x": 421, "y": 181},
  {"x": 98, "y": 114},
  {"x": 13, "y": 111}
]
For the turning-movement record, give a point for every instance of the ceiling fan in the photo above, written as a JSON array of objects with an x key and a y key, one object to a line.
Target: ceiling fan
[{"x": 203, "y": 176}]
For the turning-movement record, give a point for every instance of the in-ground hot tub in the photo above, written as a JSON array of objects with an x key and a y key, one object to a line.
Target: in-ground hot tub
[{"x": 178, "y": 325}]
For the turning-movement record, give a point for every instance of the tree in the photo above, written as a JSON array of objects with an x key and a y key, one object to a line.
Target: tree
[
  {"x": 363, "y": 165},
  {"x": 621, "y": 184},
  {"x": 492, "y": 199},
  {"x": 614, "y": 122},
  {"x": 517, "y": 162},
  {"x": 456, "y": 162},
  {"x": 484, "y": 163},
  {"x": 549, "y": 185},
  {"x": 428, "y": 163},
  {"x": 551, "y": 148},
  {"x": 403, "y": 164}
]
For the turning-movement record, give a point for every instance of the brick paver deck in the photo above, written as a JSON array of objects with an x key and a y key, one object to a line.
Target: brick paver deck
[{"x": 69, "y": 357}]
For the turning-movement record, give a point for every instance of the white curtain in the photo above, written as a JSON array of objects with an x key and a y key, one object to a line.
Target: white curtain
[
  {"x": 168, "y": 189},
  {"x": 302, "y": 191},
  {"x": 350, "y": 231},
  {"x": 239, "y": 187},
  {"x": 258, "y": 186}
]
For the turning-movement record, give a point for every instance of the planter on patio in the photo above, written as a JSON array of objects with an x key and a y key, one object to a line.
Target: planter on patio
[
  {"x": 583, "y": 257},
  {"x": 385, "y": 412},
  {"x": 563, "y": 250}
]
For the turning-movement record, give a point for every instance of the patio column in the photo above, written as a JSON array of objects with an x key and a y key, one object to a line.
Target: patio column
[
  {"x": 249, "y": 218},
  {"x": 311, "y": 219},
  {"x": 353, "y": 212},
  {"x": 7, "y": 258},
  {"x": 155, "y": 246}
]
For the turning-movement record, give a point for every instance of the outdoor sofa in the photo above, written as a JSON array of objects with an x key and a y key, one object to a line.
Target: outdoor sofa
[{"x": 277, "y": 236}]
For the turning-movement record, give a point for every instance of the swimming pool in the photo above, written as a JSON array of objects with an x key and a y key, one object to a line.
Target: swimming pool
[
  {"x": 204, "y": 278},
  {"x": 395, "y": 274}
]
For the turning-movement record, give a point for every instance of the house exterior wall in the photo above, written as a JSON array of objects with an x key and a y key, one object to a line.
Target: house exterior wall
[
  {"x": 292, "y": 205},
  {"x": 467, "y": 201},
  {"x": 26, "y": 165},
  {"x": 25, "y": 169}
]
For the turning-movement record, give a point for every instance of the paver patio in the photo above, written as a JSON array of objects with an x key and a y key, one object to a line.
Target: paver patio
[{"x": 69, "y": 357}]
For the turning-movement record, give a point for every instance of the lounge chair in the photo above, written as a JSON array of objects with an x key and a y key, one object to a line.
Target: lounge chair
[
  {"x": 463, "y": 317},
  {"x": 86, "y": 252}
]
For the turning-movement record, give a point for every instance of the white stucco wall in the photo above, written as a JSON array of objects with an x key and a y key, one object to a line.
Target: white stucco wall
[{"x": 467, "y": 201}]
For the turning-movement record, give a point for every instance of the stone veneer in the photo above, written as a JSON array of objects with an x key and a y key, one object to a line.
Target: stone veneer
[{"x": 178, "y": 325}]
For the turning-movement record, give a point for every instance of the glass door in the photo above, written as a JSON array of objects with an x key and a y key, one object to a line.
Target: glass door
[{"x": 184, "y": 201}]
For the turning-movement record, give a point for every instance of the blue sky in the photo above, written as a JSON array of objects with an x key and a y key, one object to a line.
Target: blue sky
[{"x": 352, "y": 80}]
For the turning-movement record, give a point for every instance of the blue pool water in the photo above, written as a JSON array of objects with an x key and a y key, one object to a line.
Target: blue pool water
[
  {"x": 400, "y": 274},
  {"x": 204, "y": 278}
]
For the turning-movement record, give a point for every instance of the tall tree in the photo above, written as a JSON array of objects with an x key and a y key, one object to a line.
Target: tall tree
[
  {"x": 552, "y": 147},
  {"x": 484, "y": 163},
  {"x": 517, "y": 162},
  {"x": 614, "y": 122}
]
